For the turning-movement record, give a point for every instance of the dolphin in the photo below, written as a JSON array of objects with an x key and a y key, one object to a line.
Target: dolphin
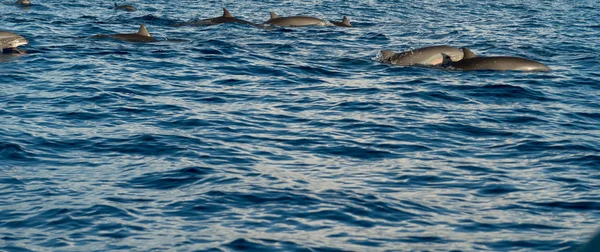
[
  {"x": 226, "y": 18},
  {"x": 9, "y": 41},
  {"x": 125, "y": 7},
  {"x": 295, "y": 21},
  {"x": 345, "y": 22},
  {"x": 141, "y": 36},
  {"x": 423, "y": 56},
  {"x": 23, "y": 2},
  {"x": 471, "y": 61}
]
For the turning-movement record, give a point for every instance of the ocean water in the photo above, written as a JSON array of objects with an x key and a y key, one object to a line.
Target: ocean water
[{"x": 238, "y": 138}]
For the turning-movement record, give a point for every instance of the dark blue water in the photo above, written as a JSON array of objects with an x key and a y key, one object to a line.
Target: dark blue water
[{"x": 298, "y": 139}]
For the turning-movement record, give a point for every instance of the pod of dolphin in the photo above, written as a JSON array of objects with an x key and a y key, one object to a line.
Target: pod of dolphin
[
  {"x": 440, "y": 56},
  {"x": 463, "y": 59}
]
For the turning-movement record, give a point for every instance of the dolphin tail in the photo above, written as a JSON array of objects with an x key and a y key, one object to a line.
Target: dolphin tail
[
  {"x": 346, "y": 22},
  {"x": 143, "y": 31},
  {"x": 116, "y": 5},
  {"x": 273, "y": 15},
  {"x": 385, "y": 54},
  {"x": 226, "y": 13},
  {"x": 468, "y": 54}
]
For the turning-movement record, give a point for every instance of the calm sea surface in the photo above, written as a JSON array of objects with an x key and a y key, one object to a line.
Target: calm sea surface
[{"x": 242, "y": 138}]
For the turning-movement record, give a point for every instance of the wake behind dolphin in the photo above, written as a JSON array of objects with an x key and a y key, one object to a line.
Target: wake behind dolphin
[{"x": 471, "y": 61}]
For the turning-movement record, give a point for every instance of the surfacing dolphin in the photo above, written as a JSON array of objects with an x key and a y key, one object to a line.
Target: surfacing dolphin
[
  {"x": 295, "y": 21},
  {"x": 141, "y": 36},
  {"x": 125, "y": 7},
  {"x": 23, "y": 2},
  {"x": 432, "y": 55},
  {"x": 226, "y": 18},
  {"x": 9, "y": 42},
  {"x": 471, "y": 61},
  {"x": 345, "y": 22}
]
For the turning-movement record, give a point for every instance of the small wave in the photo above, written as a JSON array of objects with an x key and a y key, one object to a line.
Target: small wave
[
  {"x": 577, "y": 206},
  {"x": 174, "y": 179},
  {"x": 504, "y": 91},
  {"x": 493, "y": 190},
  {"x": 436, "y": 96},
  {"x": 534, "y": 146},
  {"x": 354, "y": 152},
  {"x": 14, "y": 152},
  {"x": 579, "y": 160},
  {"x": 150, "y": 145}
]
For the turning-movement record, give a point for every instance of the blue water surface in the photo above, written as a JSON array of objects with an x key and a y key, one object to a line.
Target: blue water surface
[{"x": 236, "y": 137}]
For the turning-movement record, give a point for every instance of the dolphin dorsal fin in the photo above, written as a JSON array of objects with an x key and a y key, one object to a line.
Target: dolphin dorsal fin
[
  {"x": 143, "y": 31},
  {"x": 468, "y": 54},
  {"x": 226, "y": 13},
  {"x": 386, "y": 54},
  {"x": 273, "y": 15},
  {"x": 446, "y": 59},
  {"x": 346, "y": 21}
]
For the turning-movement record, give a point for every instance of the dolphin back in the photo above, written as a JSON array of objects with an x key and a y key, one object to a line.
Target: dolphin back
[
  {"x": 142, "y": 35},
  {"x": 432, "y": 55},
  {"x": 23, "y": 2},
  {"x": 500, "y": 63},
  {"x": 225, "y": 18},
  {"x": 295, "y": 21},
  {"x": 386, "y": 55},
  {"x": 125, "y": 7}
]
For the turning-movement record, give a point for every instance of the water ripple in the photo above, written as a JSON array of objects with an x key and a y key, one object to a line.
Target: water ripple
[{"x": 235, "y": 137}]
